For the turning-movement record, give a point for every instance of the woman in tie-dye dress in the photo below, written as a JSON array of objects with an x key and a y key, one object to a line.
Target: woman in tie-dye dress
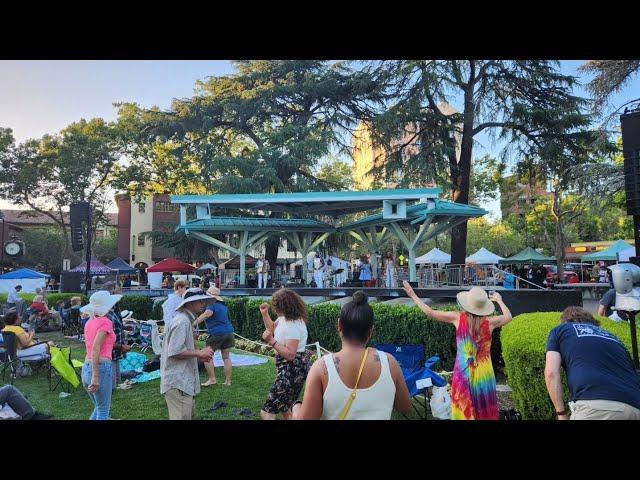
[{"x": 473, "y": 389}]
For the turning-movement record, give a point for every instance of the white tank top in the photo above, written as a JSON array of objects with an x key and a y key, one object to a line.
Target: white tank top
[{"x": 373, "y": 403}]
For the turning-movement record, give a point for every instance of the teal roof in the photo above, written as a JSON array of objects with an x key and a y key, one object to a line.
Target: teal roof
[
  {"x": 327, "y": 203},
  {"x": 610, "y": 253},
  {"x": 420, "y": 211},
  {"x": 528, "y": 255},
  {"x": 257, "y": 224}
]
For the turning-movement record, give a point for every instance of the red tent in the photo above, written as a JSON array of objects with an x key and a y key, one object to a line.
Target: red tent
[{"x": 171, "y": 265}]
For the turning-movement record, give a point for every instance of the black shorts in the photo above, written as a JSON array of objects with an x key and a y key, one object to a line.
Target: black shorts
[{"x": 221, "y": 342}]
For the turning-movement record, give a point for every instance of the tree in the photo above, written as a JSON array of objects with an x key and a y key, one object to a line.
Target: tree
[
  {"x": 610, "y": 76},
  {"x": 106, "y": 248},
  {"x": 262, "y": 129},
  {"x": 45, "y": 249},
  {"x": 511, "y": 100},
  {"x": 336, "y": 174},
  {"x": 49, "y": 174}
]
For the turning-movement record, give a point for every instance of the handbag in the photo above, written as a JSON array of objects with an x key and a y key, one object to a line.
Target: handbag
[{"x": 352, "y": 397}]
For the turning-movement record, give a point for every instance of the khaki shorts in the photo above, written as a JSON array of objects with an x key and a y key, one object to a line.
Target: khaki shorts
[
  {"x": 221, "y": 342},
  {"x": 181, "y": 406},
  {"x": 603, "y": 410}
]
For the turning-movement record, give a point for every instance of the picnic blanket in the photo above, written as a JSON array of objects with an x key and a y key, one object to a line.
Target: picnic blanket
[{"x": 238, "y": 360}]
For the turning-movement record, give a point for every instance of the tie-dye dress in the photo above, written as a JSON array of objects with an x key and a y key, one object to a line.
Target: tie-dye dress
[{"x": 473, "y": 389}]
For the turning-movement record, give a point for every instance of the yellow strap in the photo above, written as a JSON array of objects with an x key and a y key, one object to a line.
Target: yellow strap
[{"x": 352, "y": 397}]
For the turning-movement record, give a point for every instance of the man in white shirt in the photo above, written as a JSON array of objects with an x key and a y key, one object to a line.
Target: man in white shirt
[
  {"x": 262, "y": 267},
  {"x": 14, "y": 301},
  {"x": 171, "y": 303},
  {"x": 318, "y": 270}
]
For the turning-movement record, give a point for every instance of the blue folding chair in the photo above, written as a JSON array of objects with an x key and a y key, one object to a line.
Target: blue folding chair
[{"x": 414, "y": 369}]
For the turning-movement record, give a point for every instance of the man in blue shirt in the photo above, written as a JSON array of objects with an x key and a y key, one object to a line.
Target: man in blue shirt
[
  {"x": 602, "y": 380},
  {"x": 220, "y": 330}
]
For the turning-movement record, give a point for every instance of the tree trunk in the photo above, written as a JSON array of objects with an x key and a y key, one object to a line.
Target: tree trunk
[{"x": 461, "y": 171}]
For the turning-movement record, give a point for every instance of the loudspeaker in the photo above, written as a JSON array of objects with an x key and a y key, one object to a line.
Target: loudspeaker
[
  {"x": 70, "y": 282},
  {"x": 79, "y": 212},
  {"x": 635, "y": 260},
  {"x": 630, "y": 124}
]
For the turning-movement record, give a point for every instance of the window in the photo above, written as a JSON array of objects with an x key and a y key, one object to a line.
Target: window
[
  {"x": 165, "y": 207},
  {"x": 141, "y": 206},
  {"x": 140, "y": 240}
]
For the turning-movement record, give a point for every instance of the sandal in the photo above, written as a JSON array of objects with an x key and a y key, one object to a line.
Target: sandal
[{"x": 217, "y": 406}]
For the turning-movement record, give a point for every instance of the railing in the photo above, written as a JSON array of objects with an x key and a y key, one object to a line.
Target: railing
[
  {"x": 430, "y": 276},
  {"x": 230, "y": 278}
]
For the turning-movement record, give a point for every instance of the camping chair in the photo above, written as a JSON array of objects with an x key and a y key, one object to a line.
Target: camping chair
[
  {"x": 146, "y": 336},
  {"x": 156, "y": 337},
  {"x": 417, "y": 373},
  {"x": 13, "y": 362},
  {"x": 72, "y": 326}
]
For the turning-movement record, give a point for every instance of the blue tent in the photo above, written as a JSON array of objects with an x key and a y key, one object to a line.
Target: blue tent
[
  {"x": 23, "y": 273},
  {"x": 121, "y": 266}
]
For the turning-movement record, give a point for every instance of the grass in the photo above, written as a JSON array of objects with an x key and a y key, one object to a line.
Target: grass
[{"x": 144, "y": 402}]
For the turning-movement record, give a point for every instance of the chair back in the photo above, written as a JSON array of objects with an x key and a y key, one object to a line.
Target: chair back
[
  {"x": 410, "y": 357},
  {"x": 10, "y": 341}
]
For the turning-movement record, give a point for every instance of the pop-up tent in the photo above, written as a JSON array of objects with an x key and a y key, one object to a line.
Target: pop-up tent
[
  {"x": 29, "y": 279},
  {"x": 96, "y": 267},
  {"x": 484, "y": 257},
  {"x": 234, "y": 263},
  {"x": 626, "y": 254},
  {"x": 527, "y": 256},
  {"x": 610, "y": 254},
  {"x": 121, "y": 266},
  {"x": 171, "y": 265},
  {"x": 435, "y": 255}
]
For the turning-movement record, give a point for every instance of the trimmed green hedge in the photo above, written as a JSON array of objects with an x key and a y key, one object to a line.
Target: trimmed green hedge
[
  {"x": 139, "y": 305},
  {"x": 393, "y": 324},
  {"x": 524, "y": 345},
  {"x": 52, "y": 298}
]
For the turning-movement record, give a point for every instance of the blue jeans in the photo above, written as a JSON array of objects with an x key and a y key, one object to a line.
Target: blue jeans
[{"x": 101, "y": 398}]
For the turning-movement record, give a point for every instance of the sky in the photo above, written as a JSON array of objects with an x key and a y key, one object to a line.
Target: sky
[{"x": 40, "y": 97}]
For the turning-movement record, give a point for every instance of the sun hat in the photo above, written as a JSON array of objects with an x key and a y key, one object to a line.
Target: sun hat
[
  {"x": 125, "y": 314},
  {"x": 476, "y": 302},
  {"x": 87, "y": 310},
  {"x": 193, "y": 295},
  {"x": 103, "y": 301},
  {"x": 215, "y": 293}
]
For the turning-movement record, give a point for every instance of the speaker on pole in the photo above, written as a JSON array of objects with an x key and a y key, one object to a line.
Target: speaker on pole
[
  {"x": 630, "y": 126},
  {"x": 79, "y": 212}
]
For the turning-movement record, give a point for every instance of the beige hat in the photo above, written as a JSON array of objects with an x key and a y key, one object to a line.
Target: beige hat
[
  {"x": 476, "y": 302},
  {"x": 193, "y": 295},
  {"x": 215, "y": 293}
]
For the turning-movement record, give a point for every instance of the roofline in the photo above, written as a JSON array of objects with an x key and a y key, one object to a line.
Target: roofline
[{"x": 344, "y": 196}]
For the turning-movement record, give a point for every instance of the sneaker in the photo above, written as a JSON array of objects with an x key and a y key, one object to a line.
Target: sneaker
[{"x": 41, "y": 416}]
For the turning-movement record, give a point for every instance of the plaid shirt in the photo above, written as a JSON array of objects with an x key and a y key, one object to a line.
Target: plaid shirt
[{"x": 118, "y": 329}]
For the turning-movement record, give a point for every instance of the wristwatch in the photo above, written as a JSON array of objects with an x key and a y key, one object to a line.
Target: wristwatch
[{"x": 563, "y": 412}]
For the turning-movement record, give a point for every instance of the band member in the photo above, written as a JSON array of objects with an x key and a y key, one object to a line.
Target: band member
[
  {"x": 318, "y": 270},
  {"x": 262, "y": 267}
]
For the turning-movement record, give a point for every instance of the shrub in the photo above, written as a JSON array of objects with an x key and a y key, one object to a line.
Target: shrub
[
  {"x": 140, "y": 306},
  {"x": 156, "y": 311},
  {"x": 524, "y": 343},
  {"x": 54, "y": 298},
  {"x": 28, "y": 297}
]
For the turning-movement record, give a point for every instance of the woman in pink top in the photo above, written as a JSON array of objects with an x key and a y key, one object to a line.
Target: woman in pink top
[{"x": 99, "y": 339}]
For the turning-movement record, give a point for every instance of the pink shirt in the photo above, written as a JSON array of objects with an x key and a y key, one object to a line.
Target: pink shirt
[{"x": 92, "y": 328}]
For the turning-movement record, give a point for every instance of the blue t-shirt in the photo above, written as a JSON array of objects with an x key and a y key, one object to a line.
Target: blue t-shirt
[
  {"x": 597, "y": 363},
  {"x": 509, "y": 282},
  {"x": 218, "y": 323}
]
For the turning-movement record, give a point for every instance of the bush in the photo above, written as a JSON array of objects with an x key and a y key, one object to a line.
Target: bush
[
  {"x": 524, "y": 343},
  {"x": 28, "y": 297},
  {"x": 140, "y": 306},
  {"x": 156, "y": 311},
  {"x": 54, "y": 298},
  {"x": 393, "y": 324}
]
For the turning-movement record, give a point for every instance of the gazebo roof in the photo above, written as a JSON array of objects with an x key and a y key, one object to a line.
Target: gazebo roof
[{"x": 256, "y": 224}]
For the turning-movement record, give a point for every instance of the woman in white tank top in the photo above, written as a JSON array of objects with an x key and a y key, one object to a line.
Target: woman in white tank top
[{"x": 332, "y": 379}]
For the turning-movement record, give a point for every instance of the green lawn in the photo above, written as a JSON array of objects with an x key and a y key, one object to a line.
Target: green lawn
[{"x": 144, "y": 402}]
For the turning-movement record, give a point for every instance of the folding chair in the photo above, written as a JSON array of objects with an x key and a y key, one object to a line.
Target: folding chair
[
  {"x": 72, "y": 326},
  {"x": 13, "y": 362},
  {"x": 416, "y": 371}
]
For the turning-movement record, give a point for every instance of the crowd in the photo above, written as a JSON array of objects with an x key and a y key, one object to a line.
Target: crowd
[{"x": 358, "y": 381}]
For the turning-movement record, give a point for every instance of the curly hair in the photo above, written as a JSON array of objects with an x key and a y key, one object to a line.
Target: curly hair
[
  {"x": 290, "y": 304},
  {"x": 577, "y": 315}
]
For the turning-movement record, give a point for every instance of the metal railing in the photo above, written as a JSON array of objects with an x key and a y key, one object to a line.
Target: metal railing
[{"x": 230, "y": 278}]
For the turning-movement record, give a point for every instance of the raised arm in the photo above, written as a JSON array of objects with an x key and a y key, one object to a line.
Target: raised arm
[
  {"x": 268, "y": 323},
  {"x": 500, "y": 320},
  {"x": 445, "y": 317}
]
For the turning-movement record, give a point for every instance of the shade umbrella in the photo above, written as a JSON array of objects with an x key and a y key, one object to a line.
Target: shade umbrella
[{"x": 207, "y": 266}]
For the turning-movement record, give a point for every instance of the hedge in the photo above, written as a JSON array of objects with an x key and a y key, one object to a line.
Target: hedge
[
  {"x": 140, "y": 306},
  {"x": 52, "y": 298},
  {"x": 398, "y": 324},
  {"x": 524, "y": 343}
]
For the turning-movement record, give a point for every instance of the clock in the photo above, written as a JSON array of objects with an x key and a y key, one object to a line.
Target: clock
[{"x": 13, "y": 249}]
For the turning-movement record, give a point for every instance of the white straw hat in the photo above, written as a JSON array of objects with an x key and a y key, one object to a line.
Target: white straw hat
[
  {"x": 476, "y": 302},
  {"x": 103, "y": 301},
  {"x": 193, "y": 295},
  {"x": 215, "y": 293}
]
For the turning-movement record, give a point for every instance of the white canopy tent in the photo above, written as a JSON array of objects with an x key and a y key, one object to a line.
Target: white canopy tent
[
  {"x": 484, "y": 257},
  {"x": 626, "y": 254},
  {"x": 434, "y": 255}
]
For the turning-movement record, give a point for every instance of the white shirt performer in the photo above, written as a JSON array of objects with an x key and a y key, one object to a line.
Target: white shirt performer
[
  {"x": 318, "y": 270},
  {"x": 262, "y": 267}
]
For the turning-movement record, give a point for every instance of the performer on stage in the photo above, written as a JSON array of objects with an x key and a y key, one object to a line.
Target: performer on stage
[
  {"x": 390, "y": 272},
  {"x": 262, "y": 268},
  {"x": 318, "y": 270}
]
